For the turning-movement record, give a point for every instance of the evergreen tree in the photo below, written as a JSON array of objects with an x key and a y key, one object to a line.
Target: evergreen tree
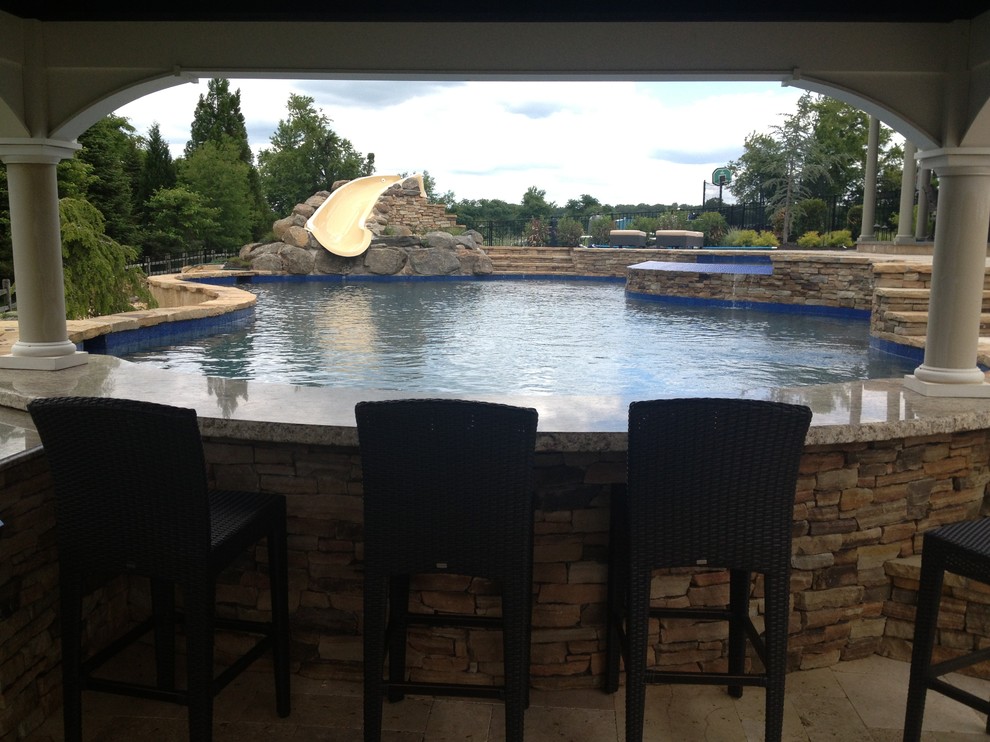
[
  {"x": 218, "y": 119},
  {"x": 158, "y": 169},
  {"x": 97, "y": 279},
  {"x": 220, "y": 177},
  {"x": 110, "y": 148},
  {"x": 181, "y": 221},
  {"x": 306, "y": 156}
]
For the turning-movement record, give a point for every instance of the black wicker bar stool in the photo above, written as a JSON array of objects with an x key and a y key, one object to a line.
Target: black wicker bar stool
[
  {"x": 131, "y": 498},
  {"x": 962, "y": 549},
  {"x": 447, "y": 490},
  {"x": 710, "y": 483}
]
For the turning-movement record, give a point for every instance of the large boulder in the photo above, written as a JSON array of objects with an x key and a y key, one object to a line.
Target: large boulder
[{"x": 395, "y": 248}]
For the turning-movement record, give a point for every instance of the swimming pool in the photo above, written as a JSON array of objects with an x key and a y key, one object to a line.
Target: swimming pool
[{"x": 569, "y": 337}]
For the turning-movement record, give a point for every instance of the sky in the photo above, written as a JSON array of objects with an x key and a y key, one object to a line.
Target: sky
[{"x": 621, "y": 142}]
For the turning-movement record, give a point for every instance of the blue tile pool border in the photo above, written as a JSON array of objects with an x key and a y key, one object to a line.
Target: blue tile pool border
[{"x": 164, "y": 333}]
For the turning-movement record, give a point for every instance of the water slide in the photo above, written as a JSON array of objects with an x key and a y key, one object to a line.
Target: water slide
[{"x": 339, "y": 223}]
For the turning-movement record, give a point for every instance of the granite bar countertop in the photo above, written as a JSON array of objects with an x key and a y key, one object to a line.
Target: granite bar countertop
[{"x": 250, "y": 410}]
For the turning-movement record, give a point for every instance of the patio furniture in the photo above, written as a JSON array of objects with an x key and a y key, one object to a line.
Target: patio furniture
[
  {"x": 710, "y": 485},
  {"x": 962, "y": 549},
  {"x": 447, "y": 490},
  {"x": 131, "y": 498},
  {"x": 675, "y": 238},
  {"x": 627, "y": 238}
]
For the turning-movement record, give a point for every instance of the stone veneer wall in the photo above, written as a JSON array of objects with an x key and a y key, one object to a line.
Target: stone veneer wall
[
  {"x": 806, "y": 279},
  {"x": 859, "y": 513}
]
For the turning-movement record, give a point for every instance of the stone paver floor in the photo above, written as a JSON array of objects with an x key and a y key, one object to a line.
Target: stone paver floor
[{"x": 855, "y": 701}]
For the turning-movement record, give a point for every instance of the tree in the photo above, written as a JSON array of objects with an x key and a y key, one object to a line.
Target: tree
[
  {"x": 220, "y": 177},
  {"x": 783, "y": 166},
  {"x": 534, "y": 204},
  {"x": 306, "y": 156},
  {"x": 97, "y": 279},
  {"x": 110, "y": 148},
  {"x": 218, "y": 119},
  {"x": 758, "y": 172},
  {"x": 181, "y": 221},
  {"x": 583, "y": 208},
  {"x": 474, "y": 213},
  {"x": 158, "y": 169}
]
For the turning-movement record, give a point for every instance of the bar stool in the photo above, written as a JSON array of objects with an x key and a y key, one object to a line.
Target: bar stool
[
  {"x": 711, "y": 483},
  {"x": 447, "y": 490},
  {"x": 962, "y": 549},
  {"x": 131, "y": 498}
]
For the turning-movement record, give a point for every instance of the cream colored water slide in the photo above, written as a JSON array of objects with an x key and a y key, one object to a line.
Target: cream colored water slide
[{"x": 339, "y": 223}]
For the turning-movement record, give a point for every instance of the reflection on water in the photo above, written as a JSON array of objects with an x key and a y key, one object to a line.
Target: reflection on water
[{"x": 526, "y": 337}]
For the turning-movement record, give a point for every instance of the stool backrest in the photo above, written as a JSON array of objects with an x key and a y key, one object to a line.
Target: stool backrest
[
  {"x": 712, "y": 481},
  {"x": 130, "y": 484},
  {"x": 447, "y": 484}
]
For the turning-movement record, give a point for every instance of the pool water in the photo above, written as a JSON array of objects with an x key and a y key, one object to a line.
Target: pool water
[{"x": 523, "y": 337}]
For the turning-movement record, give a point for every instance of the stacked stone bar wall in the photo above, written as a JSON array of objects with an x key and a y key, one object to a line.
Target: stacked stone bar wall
[{"x": 859, "y": 514}]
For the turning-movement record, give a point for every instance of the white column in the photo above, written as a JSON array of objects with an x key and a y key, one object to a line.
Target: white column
[
  {"x": 909, "y": 181},
  {"x": 866, "y": 234},
  {"x": 43, "y": 342},
  {"x": 958, "y": 268}
]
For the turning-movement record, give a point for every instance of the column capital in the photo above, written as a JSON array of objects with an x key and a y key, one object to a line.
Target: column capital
[
  {"x": 36, "y": 151},
  {"x": 956, "y": 160}
]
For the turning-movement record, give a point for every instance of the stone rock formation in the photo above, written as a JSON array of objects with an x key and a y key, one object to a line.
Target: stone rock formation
[{"x": 409, "y": 239}]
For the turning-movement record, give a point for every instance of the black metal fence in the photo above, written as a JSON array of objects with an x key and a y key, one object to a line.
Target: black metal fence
[
  {"x": 175, "y": 263},
  {"x": 753, "y": 216},
  {"x": 8, "y": 303}
]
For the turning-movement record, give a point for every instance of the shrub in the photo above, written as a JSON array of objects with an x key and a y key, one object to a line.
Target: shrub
[
  {"x": 569, "y": 232},
  {"x": 766, "y": 239},
  {"x": 810, "y": 239},
  {"x": 750, "y": 238},
  {"x": 537, "y": 233},
  {"x": 672, "y": 220},
  {"x": 740, "y": 237},
  {"x": 838, "y": 238},
  {"x": 714, "y": 226},
  {"x": 809, "y": 215},
  {"x": 600, "y": 227},
  {"x": 648, "y": 224}
]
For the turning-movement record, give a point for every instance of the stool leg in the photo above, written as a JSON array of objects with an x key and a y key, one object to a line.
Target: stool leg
[
  {"x": 637, "y": 640},
  {"x": 70, "y": 596},
  {"x": 398, "y": 627},
  {"x": 163, "y": 607},
  {"x": 926, "y": 617},
  {"x": 199, "y": 611},
  {"x": 516, "y": 619},
  {"x": 776, "y": 592},
  {"x": 739, "y": 612},
  {"x": 278, "y": 578},
  {"x": 615, "y": 596},
  {"x": 375, "y": 600}
]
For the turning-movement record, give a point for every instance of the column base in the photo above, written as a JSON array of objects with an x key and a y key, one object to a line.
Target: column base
[
  {"x": 979, "y": 390},
  {"x": 44, "y": 363}
]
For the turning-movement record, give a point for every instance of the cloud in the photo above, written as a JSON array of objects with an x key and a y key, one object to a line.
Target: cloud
[
  {"x": 682, "y": 157},
  {"x": 618, "y": 141},
  {"x": 534, "y": 109}
]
